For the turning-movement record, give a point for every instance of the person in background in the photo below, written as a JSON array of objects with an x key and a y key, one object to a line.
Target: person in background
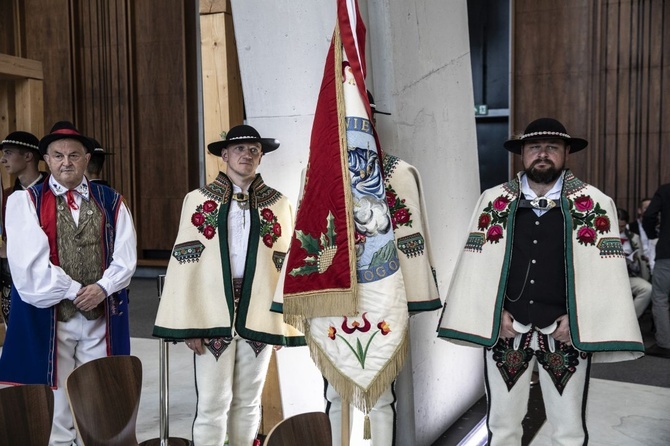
[
  {"x": 638, "y": 270},
  {"x": 20, "y": 158},
  {"x": 635, "y": 226},
  {"x": 96, "y": 163},
  {"x": 656, "y": 223}
]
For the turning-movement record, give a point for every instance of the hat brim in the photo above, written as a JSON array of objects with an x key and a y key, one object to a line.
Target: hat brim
[
  {"x": 48, "y": 139},
  {"x": 515, "y": 145},
  {"x": 267, "y": 145}
]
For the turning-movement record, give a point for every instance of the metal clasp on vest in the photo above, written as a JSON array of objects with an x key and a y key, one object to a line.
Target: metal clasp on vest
[{"x": 542, "y": 203}]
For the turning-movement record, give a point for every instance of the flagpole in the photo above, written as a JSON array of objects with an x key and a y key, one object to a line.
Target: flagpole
[{"x": 345, "y": 422}]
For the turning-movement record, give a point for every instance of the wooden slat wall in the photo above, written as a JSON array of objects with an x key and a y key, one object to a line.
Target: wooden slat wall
[
  {"x": 125, "y": 72},
  {"x": 602, "y": 68}
]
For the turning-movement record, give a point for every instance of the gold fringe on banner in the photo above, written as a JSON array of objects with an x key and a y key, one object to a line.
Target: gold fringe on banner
[{"x": 362, "y": 399}]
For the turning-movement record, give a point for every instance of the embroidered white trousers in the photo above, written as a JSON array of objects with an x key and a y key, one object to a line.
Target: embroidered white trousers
[
  {"x": 229, "y": 394},
  {"x": 382, "y": 418},
  {"x": 507, "y": 407},
  {"x": 78, "y": 341}
]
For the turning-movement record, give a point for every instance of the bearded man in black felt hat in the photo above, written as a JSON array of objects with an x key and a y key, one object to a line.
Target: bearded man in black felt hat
[
  {"x": 542, "y": 278},
  {"x": 233, "y": 236},
  {"x": 72, "y": 247}
]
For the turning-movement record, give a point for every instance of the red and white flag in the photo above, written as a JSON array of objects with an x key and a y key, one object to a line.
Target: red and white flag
[{"x": 343, "y": 286}]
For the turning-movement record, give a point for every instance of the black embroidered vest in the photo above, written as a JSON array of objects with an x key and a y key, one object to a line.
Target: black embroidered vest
[{"x": 536, "y": 285}]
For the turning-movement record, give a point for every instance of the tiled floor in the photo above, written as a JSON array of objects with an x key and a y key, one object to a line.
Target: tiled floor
[{"x": 618, "y": 413}]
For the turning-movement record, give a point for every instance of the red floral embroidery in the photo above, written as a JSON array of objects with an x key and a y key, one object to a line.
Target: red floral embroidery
[
  {"x": 494, "y": 234},
  {"x": 209, "y": 206},
  {"x": 357, "y": 348},
  {"x": 197, "y": 218},
  {"x": 270, "y": 227},
  {"x": 602, "y": 224},
  {"x": 589, "y": 219},
  {"x": 586, "y": 236},
  {"x": 209, "y": 232},
  {"x": 205, "y": 218},
  {"x": 494, "y": 218},
  {"x": 500, "y": 203},
  {"x": 384, "y": 327},
  {"x": 400, "y": 214},
  {"x": 583, "y": 203},
  {"x": 484, "y": 221},
  {"x": 276, "y": 229}
]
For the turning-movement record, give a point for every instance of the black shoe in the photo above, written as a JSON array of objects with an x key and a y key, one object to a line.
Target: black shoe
[{"x": 655, "y": 350}]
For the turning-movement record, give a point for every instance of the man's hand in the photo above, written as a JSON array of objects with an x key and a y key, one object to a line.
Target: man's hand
[
  {"x": 89, "y": 297},
  {"x": 506, "y": 329},
  {"x": 562, "y": 333},
  {"x": 196, "y": 345}
]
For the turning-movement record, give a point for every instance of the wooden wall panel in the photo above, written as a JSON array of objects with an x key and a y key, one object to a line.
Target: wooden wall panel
[
  {"x": 124, "y": 72},
  {"x": 603, "y": 69},
  {"x": 166, "y": 144},
  {"x": 51, "y": 43}
]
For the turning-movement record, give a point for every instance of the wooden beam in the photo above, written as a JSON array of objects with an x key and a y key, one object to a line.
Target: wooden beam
[
  {"x": 12, "y": 67},
  {"x": 30, "y": 106},
  {"x": 221, "y": 84},
  {"x": 214, "y": 6}
]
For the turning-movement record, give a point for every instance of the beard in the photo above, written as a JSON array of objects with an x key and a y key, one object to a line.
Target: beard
[{"x": 546, "y": 176}]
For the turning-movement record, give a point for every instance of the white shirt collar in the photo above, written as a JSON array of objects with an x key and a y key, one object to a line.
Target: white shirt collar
[
  {"x": 554, "y": 193},
  {"x": 59, "y": 189}
]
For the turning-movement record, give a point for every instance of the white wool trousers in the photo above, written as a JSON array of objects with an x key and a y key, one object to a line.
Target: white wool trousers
[
  {"x": 78, "y": 341},
  {"x": 382, "y": 418},
  {"x": 512, "y": 365},
  {"x": 229, "y": 394}
]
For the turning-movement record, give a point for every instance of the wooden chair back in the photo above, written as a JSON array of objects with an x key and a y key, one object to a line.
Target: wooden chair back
[
  {"x": 105, "y": 396},
  {"x": 26, "y": 414},
  {"x": 312, "y": 428}
]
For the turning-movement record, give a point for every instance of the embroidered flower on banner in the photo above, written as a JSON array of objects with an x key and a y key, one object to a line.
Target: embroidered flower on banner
[
  {"x": 588, "y": 219},
  {"x": 270, "y": 227},
  {"x": 494, "y": 219},
  {"x": 205, "y": 218},
  {"x": 400, "y": 214},
  {"x": 360, "y": 352}
]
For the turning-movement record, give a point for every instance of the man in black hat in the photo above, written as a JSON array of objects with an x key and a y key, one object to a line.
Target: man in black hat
[
  {"x": 96, "y": 163},
  {"x": 542, "y": 278},
  {"x": 74, "y": 244},
  {"x": 20, "y": 158},
  {"x": 232, "y": 240}
]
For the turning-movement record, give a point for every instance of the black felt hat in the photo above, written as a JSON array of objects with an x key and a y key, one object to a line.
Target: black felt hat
[
  {"x": 65, "y": 130},
  {"x": 545, "y": 128},
  {"x": 21, "y": 139},
  {"x": 243, "y": 133},
  {"x": 98, "y": 150}
]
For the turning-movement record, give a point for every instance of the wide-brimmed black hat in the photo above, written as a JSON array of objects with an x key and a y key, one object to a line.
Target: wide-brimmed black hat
[
  {"x": 21, "y": 139},
  {"x": 373, "y": 105},
  {"x": 65, "y": 130},
  {"x": 243, "y": 133},
  {"x": 545, "y": 128},
  {"x": 98, "y": 150}
]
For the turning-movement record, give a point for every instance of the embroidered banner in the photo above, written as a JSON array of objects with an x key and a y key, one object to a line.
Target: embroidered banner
[{"x": 343, "y": 282}]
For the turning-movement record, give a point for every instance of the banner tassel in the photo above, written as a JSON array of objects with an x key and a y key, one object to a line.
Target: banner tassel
[{"x": 367, "y": 434}]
